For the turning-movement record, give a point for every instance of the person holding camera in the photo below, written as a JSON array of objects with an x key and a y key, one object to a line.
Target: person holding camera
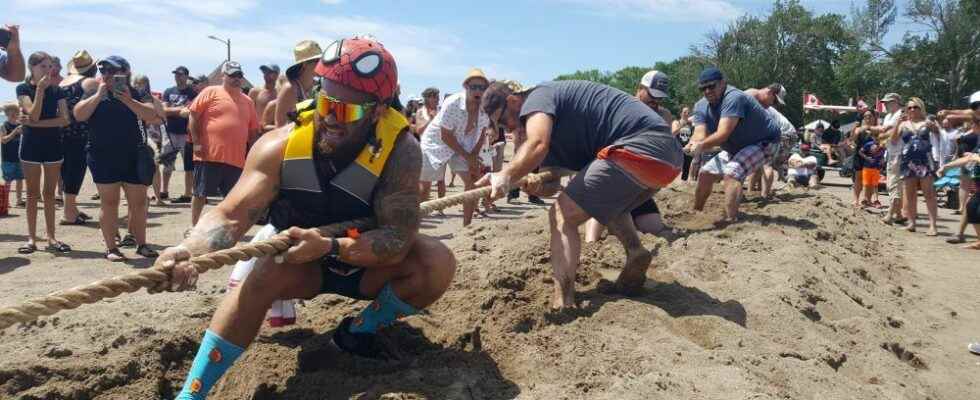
[
  {"x": 11, "y": 59},
  {"x": 113, "y": 110},
  {"x": 41, "y": 154}
]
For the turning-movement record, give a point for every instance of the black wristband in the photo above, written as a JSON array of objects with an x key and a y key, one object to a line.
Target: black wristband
[{"x": 334, "y": 248}]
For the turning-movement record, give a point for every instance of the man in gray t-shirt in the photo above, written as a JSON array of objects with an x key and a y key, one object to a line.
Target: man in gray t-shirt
[
  {"x": 622, "y": 149},
  {"x": 728, "y": 118}
]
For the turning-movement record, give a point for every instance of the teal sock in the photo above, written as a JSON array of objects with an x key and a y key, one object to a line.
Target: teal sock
[
  {"x": 214, "y": 357},
  {"x": 384, "y": 310}
]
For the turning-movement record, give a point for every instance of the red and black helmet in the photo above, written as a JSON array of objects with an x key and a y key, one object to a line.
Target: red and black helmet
[{"x": 362, "y": 64}]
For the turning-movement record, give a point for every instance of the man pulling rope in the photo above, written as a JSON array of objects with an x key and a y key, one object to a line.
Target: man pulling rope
[{"x": 348, "y": 156}]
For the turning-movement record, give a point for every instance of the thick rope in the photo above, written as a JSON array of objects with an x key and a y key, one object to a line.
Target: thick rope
[{"x": 160, "y": 275}]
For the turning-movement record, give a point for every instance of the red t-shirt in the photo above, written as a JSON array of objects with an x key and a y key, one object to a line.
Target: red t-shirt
[{"x": 223, "y": 124}]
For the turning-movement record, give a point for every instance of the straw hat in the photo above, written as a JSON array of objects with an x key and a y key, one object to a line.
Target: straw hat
[
  {"x": 304, "y": 51},
  {"x": 475, "y": 73},
  {"x": 80, "y": 63}
]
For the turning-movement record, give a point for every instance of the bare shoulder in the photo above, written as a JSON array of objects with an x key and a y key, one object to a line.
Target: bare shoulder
[
  {"x": 271, "y": 146},
  {"x": 405, "y": 162}
]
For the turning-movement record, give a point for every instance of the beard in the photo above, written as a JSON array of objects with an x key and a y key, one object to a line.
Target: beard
[{"x": 339, "y": 153}]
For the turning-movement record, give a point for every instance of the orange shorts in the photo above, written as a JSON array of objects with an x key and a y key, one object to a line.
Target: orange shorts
[
  {"x": 651, "y": 172},
  {"x": 870, "y": 177}
]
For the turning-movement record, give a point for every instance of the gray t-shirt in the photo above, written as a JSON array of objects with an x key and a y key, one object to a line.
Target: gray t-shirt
[
  {"x": 589, "y": 117},
  {"x": 755, "y": 125}
]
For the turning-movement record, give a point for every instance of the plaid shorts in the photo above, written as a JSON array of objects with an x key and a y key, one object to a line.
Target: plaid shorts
[{"x": 744, "y": 163}]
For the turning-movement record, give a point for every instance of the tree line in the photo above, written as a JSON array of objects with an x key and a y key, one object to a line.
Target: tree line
[{"x": 837, "y": 57}]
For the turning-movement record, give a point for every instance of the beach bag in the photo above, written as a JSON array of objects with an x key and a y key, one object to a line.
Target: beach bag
[{"x": 145, "y": 166}]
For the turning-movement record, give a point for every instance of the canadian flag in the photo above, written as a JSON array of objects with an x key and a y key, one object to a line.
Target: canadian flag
[
  {"x": 811, "y": 100},
  {"x": 880, "y": 107}
]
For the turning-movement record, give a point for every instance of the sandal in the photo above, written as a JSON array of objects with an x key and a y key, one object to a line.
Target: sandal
[
  {"x": 146, "y": 251},
  {"x": 974, "y": 348},
  {"x": 21, "y": 203},
  {"x": 59, "y": 247},
  {"x": 956, "y": 240},
  {"x": 114, "y": 255},
  {"x": 932, "y": 232},
  {"x": 78, "y": 221},
  {"x": 910, "y": 228},
  {"x": 128, "y": 241},
  {"x": 84, "y": 216},
  {"x": 27, "y": 248}
]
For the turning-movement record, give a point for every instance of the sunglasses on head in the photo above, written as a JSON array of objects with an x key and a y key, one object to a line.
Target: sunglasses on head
[
  {"x": 344, "y": 112},
  {"x": 108, "y": 70}
]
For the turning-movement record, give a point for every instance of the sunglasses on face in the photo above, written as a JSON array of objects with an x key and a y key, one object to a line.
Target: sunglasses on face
[
  {"x": 237, "y": 75},
  {"x": 477, "y": 87},
  {"x": 708, "y": 86},
  {"x": 344, "y": 112}
]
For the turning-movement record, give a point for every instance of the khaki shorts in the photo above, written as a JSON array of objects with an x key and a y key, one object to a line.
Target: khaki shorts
[
  {"x": 895, "y": 185},
  {"x": 434, "y": 173}
]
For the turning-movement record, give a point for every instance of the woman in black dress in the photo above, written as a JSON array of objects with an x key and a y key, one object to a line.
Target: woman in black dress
[
  {"x": 73, "y": 170},
  {"x": 41, "y": 153},
  {"x": 113, "y": 110}
]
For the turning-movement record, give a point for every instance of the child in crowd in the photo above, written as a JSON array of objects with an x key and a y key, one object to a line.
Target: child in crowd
[
  {"x": 872, "y": 154},
  {"x": 9, "y": 148}
]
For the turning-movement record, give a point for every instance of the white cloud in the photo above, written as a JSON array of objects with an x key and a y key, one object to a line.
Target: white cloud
[
  {"x": 663, "y": 11},
  {"x": 156, "y": 36}
]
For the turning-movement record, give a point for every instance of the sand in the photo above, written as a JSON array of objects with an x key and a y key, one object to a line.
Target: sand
[{"x": 804, "y": 298}]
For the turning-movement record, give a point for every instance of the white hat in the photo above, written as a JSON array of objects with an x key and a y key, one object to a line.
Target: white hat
[
  {"x": 656, "y": 84},
  {"x": 975, "y": 97}
]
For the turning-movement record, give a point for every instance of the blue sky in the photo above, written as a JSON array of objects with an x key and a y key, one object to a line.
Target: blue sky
[{"x": 434, "y": 42}]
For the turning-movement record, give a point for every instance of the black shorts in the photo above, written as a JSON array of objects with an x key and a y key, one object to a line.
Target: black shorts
[
  {"x": 343, "y": 279},
  {"x": 973, "y": 209},
  {"x": 188, "y": 156},
  {"x": 648, "y": 207},
  {"x": 41, "y": 146},
  {"x": 214, "y": 179},
  {"x": 113, "y": 167}
]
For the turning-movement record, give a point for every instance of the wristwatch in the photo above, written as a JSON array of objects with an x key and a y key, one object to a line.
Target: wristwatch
[{"x": 334, "y": 252}]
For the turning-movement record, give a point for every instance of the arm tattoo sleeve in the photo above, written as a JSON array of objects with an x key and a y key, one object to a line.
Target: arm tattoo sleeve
[{"x": 397, "y": 201}]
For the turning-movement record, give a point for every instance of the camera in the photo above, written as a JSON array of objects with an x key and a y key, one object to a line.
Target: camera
[{"x": 4, "y": 38}]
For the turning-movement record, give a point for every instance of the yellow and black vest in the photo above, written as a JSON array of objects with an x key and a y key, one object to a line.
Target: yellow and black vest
[{"x": 310, "y": 197}]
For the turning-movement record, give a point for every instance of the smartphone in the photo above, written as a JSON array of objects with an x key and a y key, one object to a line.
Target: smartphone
[
  {"x": 4, "y": 38},
  {"x": 120, "y": 83}
]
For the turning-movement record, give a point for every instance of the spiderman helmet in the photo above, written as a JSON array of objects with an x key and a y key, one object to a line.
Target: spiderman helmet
[{"x": 362, "y": 64}]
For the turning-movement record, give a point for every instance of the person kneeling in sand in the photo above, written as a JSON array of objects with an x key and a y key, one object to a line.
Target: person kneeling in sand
[
  {"x": 802, "y": 168},
  {"x": 348, "y": 156},
  {"x": 623, "y": 150}
]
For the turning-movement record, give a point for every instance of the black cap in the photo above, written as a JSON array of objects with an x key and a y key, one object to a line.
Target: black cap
[
  {"x": 115, "y": 61},
  {"x": 710, "y": 74},
  {"x": 181, "y": 70}
]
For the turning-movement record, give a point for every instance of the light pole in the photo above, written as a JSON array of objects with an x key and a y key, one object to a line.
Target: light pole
[{"x": 226, "y": 42}]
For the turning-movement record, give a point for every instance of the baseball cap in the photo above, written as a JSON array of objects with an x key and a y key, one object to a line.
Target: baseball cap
[
  {"x": 975, "y": 97},
  {"x": 780, "y": 92},
  {"x": 115, "y": 61},
  {"x": 200, "y": 79},
  {"x": 891, "y": 97},
  {"x": 710, "y": 74},
  {"x": 231, "y": 67},
  {"x": 656, "y": 83},
  {"x": 269, "y": 67},
  {"x": 181, "y": 70}
]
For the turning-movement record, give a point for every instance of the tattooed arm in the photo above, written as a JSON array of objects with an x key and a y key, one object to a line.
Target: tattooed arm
[
  {"x": 396, "y": 207},
  {"x": 223, "y": 226}
]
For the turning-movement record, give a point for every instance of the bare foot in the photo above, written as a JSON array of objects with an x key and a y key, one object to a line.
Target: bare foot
[
  {"x": 562, "y": 300},
  {"x": 630, "y": 281},
  {"x": 974, "y": 246},
  {"x": 932, "y": 232}
]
